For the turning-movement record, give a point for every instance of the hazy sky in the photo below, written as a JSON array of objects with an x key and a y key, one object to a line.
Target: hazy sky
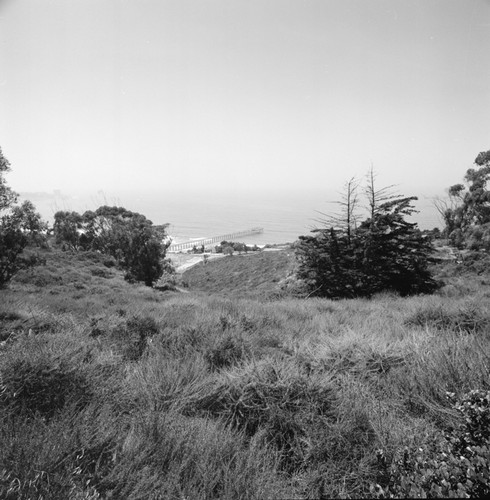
[{"x": 167, "y": 94}]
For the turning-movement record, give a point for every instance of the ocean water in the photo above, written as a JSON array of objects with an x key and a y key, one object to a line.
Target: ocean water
[{"x": 283, "y": 215}]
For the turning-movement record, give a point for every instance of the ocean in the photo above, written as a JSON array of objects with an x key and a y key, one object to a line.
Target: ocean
[{"x": 283, "y": 215}]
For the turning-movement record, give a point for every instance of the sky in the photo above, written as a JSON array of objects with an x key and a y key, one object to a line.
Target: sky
[{"x": 169, "y": 95}]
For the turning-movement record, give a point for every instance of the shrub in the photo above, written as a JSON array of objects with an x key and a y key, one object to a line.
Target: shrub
[{"x": 456, "y": 463}]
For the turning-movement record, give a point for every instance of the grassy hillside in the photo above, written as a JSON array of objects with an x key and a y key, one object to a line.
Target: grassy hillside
[
  {"x": 246, "y": 275},
  {"x": 110, "y": 390}
]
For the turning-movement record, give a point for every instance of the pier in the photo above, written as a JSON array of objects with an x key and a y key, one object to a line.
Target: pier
[{"x": 188, "y": 245}]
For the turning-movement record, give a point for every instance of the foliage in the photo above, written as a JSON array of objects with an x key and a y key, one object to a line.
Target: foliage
[
  {"x": 19, "y": 226},
  {"x": 385, "y": 252},
  {"x": 127, "y": 236},
  {"x": 228, "y": 247},
  {"x": 307, "y": 392},
  {"x": 25, "y": 218},
  {"x": 455, "y": 464},
  {"x": 7, "y": 196},
  {"x": 12, "y": 244},
  {"x": 466, "y": 213},
  {"x": 66, "y": 228}
]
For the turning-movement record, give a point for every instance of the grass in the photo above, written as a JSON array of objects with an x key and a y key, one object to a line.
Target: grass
[
  {"x": 251, "y": 275},
  {"x": 232, "y": 390}
]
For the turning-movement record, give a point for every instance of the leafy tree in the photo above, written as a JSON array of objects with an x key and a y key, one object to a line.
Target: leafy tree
[
  {"x": 30, "y": 223},
  {"x": 466, "y": 213},
  {"x": 12, "y": 244},
  {"x": 67, "y": 229},
  {"x": 7, "y": 196},
  {"x": 127, "y": 236},
  {"x": 385, "y": 252},
  {"x": 144, "y": 256},
  {"x": 19, "y": 225}
]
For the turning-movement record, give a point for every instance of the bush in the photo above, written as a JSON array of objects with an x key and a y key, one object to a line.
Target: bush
[{"x": 456, "y": 463}]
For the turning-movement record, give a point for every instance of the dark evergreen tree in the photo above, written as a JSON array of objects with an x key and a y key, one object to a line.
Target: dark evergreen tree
[
  {"x": 386, "y": 252},
  {"x": 396, "y": 254}
]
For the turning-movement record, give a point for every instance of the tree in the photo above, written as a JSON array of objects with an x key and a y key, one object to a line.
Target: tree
[
  {"x": 348, "y": 217},
  {"x": 396, "y": 254},
  {"x": 19, "y": 225},
  {"x": 129, "y": 237},
  {"x": 7, "y": 196},
  {"x": 144, "y": 256},
  {"x": 466, "y": 213},
  {"x": 12, "y": 244},
  {"x": 67, "y": 229},
  {"x": 385, "y": 252},
  {"x": 30, "y": 223}
]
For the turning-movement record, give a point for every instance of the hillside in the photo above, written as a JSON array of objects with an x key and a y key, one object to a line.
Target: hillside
[
  {"x": 111, "y": 390},
  {"x": 246, "y": 275}
]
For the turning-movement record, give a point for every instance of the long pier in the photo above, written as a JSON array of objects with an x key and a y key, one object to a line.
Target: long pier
[{"x": 179, "y": 247}]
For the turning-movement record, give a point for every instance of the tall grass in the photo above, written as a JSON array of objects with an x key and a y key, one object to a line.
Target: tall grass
[{"x": 110, "y": 390}]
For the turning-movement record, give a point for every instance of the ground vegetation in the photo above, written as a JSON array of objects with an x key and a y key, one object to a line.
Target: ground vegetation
[{"x": 115, "y": 390}]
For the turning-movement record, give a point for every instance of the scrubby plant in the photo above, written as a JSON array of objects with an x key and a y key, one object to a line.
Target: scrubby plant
[{"x": 455, "y": 463}]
